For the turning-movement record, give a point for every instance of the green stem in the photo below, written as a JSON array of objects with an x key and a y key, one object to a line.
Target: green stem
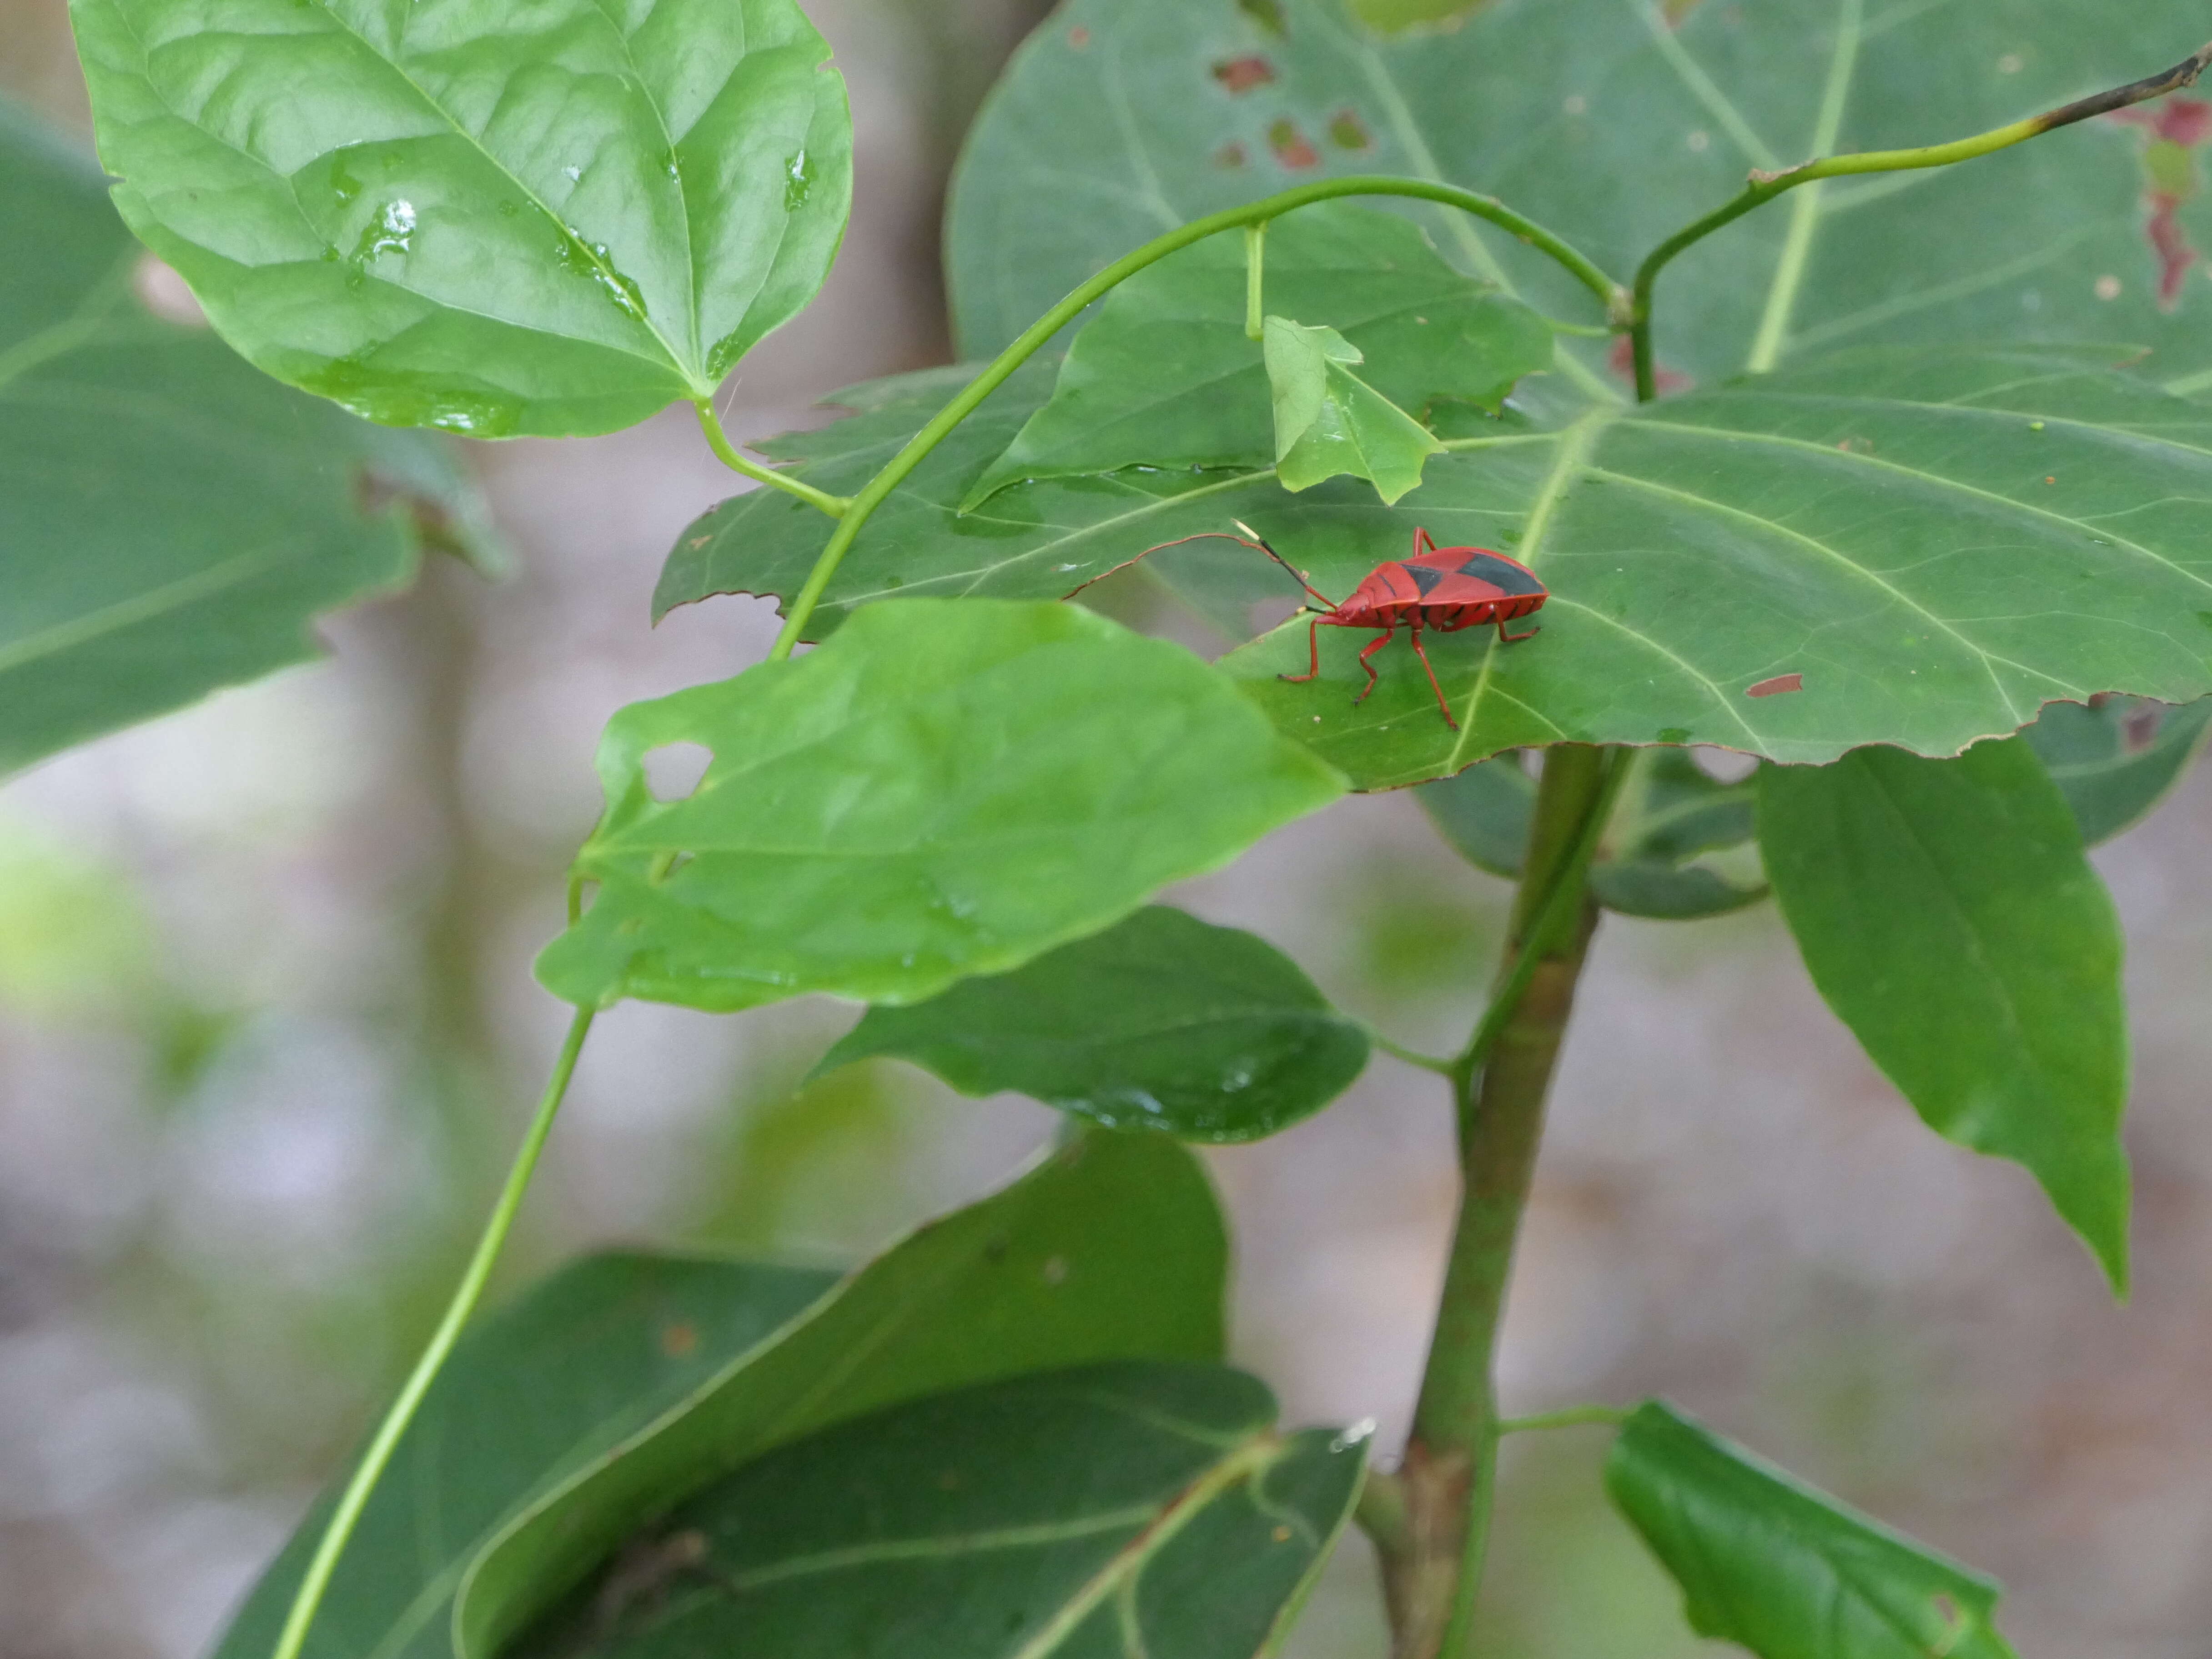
[
  {"x": 895, "y": 471},
  {"x": 1434, "y": 1063},
  {"x": 1256, "y": 283},
  {"x": 1573, "y": 1417},
  {"x": 719, "y": 441},
  {"x": 1765, "y": 187},
  {"x": 355, "y": 1499}
]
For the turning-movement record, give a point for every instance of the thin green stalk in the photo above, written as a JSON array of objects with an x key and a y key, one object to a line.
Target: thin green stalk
[
  {"x": 1765, "y": 187},
  {"x": 1572, "y": 1417},
  {"x": 895, "y": 471},
  {"x": 1440, "y": 1066},
  {"x": 355, "y": 1499},
  {"x": 1255, "y": 281},
  {"x": 718, "y": 439}
]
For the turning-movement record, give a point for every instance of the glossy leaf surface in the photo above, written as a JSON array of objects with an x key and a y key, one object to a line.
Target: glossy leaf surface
[
  {"x": 1128, "y": 1508},
  {"x": 1112, "y": 1248},
  {"x": 1947, "y": 913},
  {"x": 1787, "y": 1571},
  {"x": 2112, "y": 762},
  {"x": 553, "y": 219},
  {"x": 1654, "y": 859},
  {"x": 1614, "y": 125},
  {"x": 533, "y": 1393},
  {"x": 1164, "y": 374},
  {"x": 1329, "y": 421},
  {"x": 942, "y": 790},
  {"x": 1161, "y": 1022},
  {"x": 170, "y": 522}
]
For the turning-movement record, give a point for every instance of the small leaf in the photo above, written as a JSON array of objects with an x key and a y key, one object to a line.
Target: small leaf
[
  {"x": 602, "y": 1347},
  {"x": 1947, "y": 913},
  {"x": 2112, "y": 760},
  {"x": 1161, "y": 1022},
  {"x": 944, "y": 789},
  {"x": 1128, "y": 1508},
  {"x": 1112, "y": 1248},
  {"x": 1787, "y": 1571},
  {"x": 1165, "y": 376},
  {"x": 493, "y": 222},
  {"x": 170, "y": 521},
  {"x": 1330, "y": 422}
]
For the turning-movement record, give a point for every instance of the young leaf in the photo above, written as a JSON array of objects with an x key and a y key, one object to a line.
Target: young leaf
[
  {"x": 1166, "y": 376},
  {"x": 170, "y": 522},
  {"x": 1330, "y": 422},
  {"x": 487, "y": 220},
  {"x": 1160, "y": 1022},
  {"x": 532, "y": 1396},
  {"x": 1112, "y": 1248},
  {"x": 1787, "y": 1571},
  {"x": 1130, "y": 1508},
  {"x": 1947, "y": 913},
  {"x": 2112, "y": 760},
  {"x": 943, "y": 789}
]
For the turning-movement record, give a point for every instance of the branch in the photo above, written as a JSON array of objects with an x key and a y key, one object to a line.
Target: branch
[{"x": 726, "y": 452}]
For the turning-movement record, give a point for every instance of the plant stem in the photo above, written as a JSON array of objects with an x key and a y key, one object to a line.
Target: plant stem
[
  {"x": 355, "y": 1499},
  {"x": 1449, "y": 1473},
  {"x": 718, "y": 439},
  {"x": 895, "y": 471},
  {"x": 1255, "y": 281},
  {"x": 1573, "y": 1417},
  {"x": 1765, "y": 187}
]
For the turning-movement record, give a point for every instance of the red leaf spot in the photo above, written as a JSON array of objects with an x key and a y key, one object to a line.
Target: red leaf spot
[
  {"x": 1346, "y": 131},
  {"x": 1621, "y": 359},
  {"x": 1229, "y": 155},
  {"x": 2139, "y": 730},
  {"x": 1241, "y": 74},
  {"x": 1079, "y": 36},
  {"x": 677, "y": 1340},
  {"x": 1780, "y": 685},
  {"x": 2052, "y": 478},
  {"x": 1290, "y": 147}
]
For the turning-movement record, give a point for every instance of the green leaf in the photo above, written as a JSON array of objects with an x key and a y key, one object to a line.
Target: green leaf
[
  {"x": 942, "y": 790},
  {"x": 1656, "y": 859},
  {"x": 1784, "y": 1569},
  {"x": 170, "y": 522},
  {"x": 2113, "y": 759},
  {"x": 1947, "y": 913},
  {"x": 494, "y": 221},
  {"x": 600, "y": 1349},
  {"x": 1112, "y": 1249},
  {"x": 1166, "y": 376},
  {"x": 1614, "y": 125},
  {"x": 1329, "y": 421},
  {"x": 1160, "y": 1022},
  {"x": 1120, "y": 1509}
]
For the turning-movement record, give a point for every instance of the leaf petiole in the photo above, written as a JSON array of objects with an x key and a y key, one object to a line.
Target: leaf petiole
[
  {"x": 1571, "y": 1417},
  {"x": 727, "y": 453},
  {"x": 1255, "y": 264}
]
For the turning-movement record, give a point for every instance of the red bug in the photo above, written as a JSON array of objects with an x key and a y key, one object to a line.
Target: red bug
[{"x": 1446, "y": 589}]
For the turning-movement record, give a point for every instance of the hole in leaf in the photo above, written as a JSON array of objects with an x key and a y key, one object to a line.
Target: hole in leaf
[
  {"x": 673, "y": 770},
  {"x": 1723, "y": 765},
  {"x": 165, "y": 294},
  {"x": 1271, "y": 613},
  {"x": 1290, "y": 147},
  {"x": 1241, "y": 75}
]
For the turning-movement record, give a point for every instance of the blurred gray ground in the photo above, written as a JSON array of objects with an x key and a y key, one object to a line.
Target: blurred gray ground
[{"x": 267, "y": 1033}]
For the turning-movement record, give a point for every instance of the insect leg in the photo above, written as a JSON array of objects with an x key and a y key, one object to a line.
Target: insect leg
[
  {"x": 1313, "y": 640},
  {"x": 1508, "y": 639},
  {"x": 1388, "y": 634},
  {"x": 1421, "y": 651}
]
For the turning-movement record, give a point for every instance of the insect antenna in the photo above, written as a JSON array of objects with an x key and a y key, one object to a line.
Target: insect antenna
[{"x": 1260, "y": 542}]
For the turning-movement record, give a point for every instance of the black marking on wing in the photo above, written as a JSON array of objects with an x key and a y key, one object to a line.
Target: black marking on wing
[{"x": 1501, "y": 573}]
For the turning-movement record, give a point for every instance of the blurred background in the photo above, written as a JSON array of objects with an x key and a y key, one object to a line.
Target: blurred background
[{"x": 268, "y": 1035}]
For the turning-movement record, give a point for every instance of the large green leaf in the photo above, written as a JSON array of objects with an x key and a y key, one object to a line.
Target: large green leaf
[
  {"x": 170, "y": 522},
  {"x": 554, "y": 219},
  {"x": 1161, "y": 1022},
  {"x": 1787, "y": 1571},
  {"x": 1165, "y": 375},
  {"x": 1947, "y": 913},
  {"x": 532, "y": 1394},
  {"x": 943, "y": 789},
  {"x": 2114, "y": 758},
  {"x": 1112, "y": 1249},
  {"x": 1130, "y": 1508},
  {"x": 1615, "y": 122}
]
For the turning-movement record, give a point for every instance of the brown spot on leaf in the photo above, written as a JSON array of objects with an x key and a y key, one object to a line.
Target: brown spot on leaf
[
  {"x": 1780, "y": 685},
  {"x": 1241, "y": 75},
  {"x": 1290, "y": 147},
  {"x": 1229, "y": 156},
  {"x": 1621, "y": 359},
  {"x": 678, "y": 1340},
  {"x": 2174, "y": 131},
  {"x": 1079, "y": 36},
  {"x": 1347, "y": 131},
  {"x": 2139, "y": 729},
  {"x": 1281, "y": 1534}
]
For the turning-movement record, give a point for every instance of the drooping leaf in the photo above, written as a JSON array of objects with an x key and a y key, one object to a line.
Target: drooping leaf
[
  {"x": 942, "y": 790},
  {"x": 552, "y": 221},
  {"x": 1112, "y": 1249},
  {"x": 2113, "y": 760},
  {"x": 1656, "y": 859},
  {"x": 1165, "y": 376},
  {"x": 1329, "y": 421},
  {"x": 1134, "y": 1509},
  {"x": 1946, "y": 911},
  {"x": 532, "y": 1395},
  {"x": 1614, "y": 125},
  {"x": 1789, "y": 1573},
  {"x": 1161, "y": 1022},
  {"x": 170, "y": 522}
]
